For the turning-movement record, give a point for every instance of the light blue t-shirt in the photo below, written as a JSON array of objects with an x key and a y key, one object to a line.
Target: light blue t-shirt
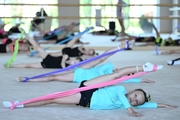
[{"x": 113, "y": 97}]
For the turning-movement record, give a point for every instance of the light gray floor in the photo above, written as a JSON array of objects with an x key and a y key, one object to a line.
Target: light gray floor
[{"x": 165, "y": 90}]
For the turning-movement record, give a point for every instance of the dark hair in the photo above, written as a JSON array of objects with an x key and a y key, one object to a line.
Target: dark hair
[
  {"x": 93, "y": 52},
  {"x": 145, "y": 95}
]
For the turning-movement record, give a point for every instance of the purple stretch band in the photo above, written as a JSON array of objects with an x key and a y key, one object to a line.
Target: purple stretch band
[{"x": 156, "y": 50}]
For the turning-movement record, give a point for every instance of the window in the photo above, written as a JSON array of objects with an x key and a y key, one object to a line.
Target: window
[
  {"x": 26, "y": 11},
  {"x": 131, "y": 25}
]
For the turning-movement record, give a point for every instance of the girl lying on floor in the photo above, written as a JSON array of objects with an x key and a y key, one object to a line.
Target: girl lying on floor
[
  {"x": 8, "y": 45},
  {"x": 110, "y": 97},
  {"x": 57, "y": 35},
  {"x": 151, "y": 40},
  {"x": 71, "y": 51}
]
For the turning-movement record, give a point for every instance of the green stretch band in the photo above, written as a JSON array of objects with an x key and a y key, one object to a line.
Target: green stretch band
[{"x": 16, "y": 48}]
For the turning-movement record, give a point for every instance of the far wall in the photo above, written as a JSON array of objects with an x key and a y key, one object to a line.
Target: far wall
[{"x": 165, "y": 26}]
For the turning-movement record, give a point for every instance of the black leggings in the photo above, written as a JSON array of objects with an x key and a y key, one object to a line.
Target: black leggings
[{"x": 3, "y": 48}]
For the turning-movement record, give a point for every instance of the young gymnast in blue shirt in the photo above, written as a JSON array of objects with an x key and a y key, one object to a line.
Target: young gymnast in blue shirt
[{"x": 110, "y": 97}]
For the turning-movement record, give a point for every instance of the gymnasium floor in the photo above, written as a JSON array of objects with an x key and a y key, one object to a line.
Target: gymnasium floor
[{"x": 164, "y": 90}]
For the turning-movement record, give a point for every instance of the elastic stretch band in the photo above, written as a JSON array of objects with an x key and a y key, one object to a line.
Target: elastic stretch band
[
  {"x": 16, "y": 48},
  {"x": 127, "y": 44},
  {"x": 12, "y": 48},
  {"x": 77, "y": 90},
  {"x": 75, "y": 65},
  {"x": 4, "y": 40},
  {"x": 156, "y": 50},
  {"x": 154, "y": 68},
  {"x": 12, "y": 102}
]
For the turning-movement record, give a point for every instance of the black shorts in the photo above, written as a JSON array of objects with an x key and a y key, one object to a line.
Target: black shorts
[
  {"x": 3, "y": 48},
  {"x": 140, "y": 39},
  {"x": 86, "y": 96},
  {"x": 52, "y": 62}
]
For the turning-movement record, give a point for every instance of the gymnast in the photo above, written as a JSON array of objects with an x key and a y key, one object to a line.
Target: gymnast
[
  {"x": 151, "y": 39},
  {"x": 105, "y": 98},
  {"x": 158, "y": 40},
  {"x": 120, "y": 19},
  {"x": 38, "y": 21},
  {"x": 57, "y": 35},
  {"x": 71, "y": 51},
  {"x": 8, "y": 45}
]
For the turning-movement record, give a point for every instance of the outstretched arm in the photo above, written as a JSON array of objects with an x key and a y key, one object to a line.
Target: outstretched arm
[
  {"x": 160, "y": 105},
  {"x": 157, "y": 32}
]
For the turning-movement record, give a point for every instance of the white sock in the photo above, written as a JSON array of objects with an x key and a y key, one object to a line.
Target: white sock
[
  {"x": 148, "y": 67},
  {"x": 8, "y": 104}
]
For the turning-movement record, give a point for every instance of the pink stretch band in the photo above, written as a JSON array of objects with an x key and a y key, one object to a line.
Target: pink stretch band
[
  {"x": 74, "y": 91},
  {"x": 12, "y": 48},
  {"x": 4, "y": 40},
  {"x": 12, "y": 103},
  {"x": 154, "y": 68}
]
